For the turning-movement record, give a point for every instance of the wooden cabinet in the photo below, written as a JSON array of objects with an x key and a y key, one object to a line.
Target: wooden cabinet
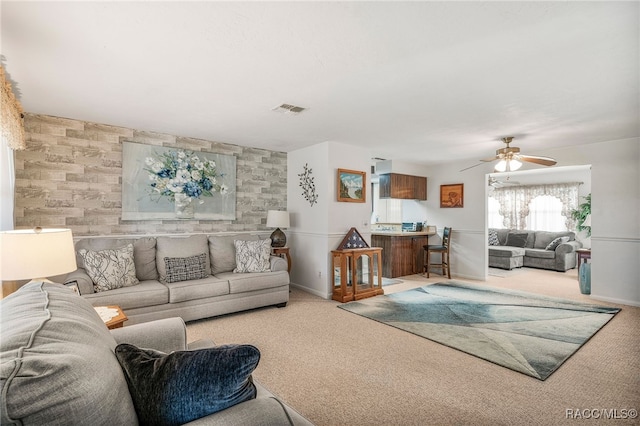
[
  {"x": 395, "y": 185},
  {"x": 356, "y": 273},
  {"x": 401, "y": 254}
]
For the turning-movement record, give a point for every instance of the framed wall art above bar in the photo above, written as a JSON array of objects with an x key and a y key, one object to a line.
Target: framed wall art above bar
[{"x": 452, "y": 195}]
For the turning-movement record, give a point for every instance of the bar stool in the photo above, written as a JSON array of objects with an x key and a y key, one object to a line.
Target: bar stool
[{"x": 443, "y": 249}]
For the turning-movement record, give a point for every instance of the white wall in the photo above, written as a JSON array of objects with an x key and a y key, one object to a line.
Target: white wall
[{"x": 318, "y": 229}]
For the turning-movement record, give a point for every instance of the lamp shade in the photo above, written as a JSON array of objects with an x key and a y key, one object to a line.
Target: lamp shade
[
  {"x": 277, "y": 219},
  {"x": 36, "y": 253},
  {"x": 587, "y": 221}
]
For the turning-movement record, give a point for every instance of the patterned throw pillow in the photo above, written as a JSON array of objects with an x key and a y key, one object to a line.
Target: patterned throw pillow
[
  {"x": 493, "y": 237},
  {"x": 110, "y": 269},
  {"x": 556, "y": 242},
  {"x": 176, "y": 388},
  {"x": 186, "y": 268},
  {"x": 253, "y": 256}
]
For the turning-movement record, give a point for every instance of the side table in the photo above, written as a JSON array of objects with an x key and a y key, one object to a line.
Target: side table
[
  {"x": 114, "y": 322},
  {"x": 280, "y": 251},
  {"x": 583, "y": 256}
]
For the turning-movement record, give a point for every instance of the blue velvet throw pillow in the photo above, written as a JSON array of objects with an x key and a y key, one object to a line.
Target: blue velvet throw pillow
[{"x": 176, "y": 388}]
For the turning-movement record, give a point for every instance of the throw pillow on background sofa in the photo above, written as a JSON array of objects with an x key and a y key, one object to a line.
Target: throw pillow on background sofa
[
  {"x": 253, "y": 256},
  {"x": 185, "y": 268},
  {"x": 493, "y": 238},
  {"x": 556, "y": 242},
  {"x": 517, "y": 239},
  {"x": 193, "y": 245},
  {"x": 110, "y": 269},
  {"x": 176, "y": 388}
]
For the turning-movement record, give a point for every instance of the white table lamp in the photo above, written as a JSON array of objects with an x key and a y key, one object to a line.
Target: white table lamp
[
  {"x": 36, "y": 254},
  {"x": 278, "y": 219}
]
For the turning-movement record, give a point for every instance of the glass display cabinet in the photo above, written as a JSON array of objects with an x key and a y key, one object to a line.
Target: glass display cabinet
[{"x": 356, "y": 269}]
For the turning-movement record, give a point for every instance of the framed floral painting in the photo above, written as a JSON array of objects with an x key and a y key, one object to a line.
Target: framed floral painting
[{"x": 173, "y": 183}]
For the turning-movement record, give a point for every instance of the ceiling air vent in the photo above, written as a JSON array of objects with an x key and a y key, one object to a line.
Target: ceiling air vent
[{"x": 290, "y": 109}]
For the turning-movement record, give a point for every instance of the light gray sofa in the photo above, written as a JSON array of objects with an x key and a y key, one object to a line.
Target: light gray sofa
[
  {"x": 533, "y": 253},
  {"x": 59, "y": 367},
  {"x": 221, "y": 292}
]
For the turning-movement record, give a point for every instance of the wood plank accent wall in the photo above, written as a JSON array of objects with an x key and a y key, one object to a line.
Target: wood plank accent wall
[{"x": 70, "y": 176}]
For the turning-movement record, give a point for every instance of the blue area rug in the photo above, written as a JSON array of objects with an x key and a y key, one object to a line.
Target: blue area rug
[{"x": 525, "y": 332}]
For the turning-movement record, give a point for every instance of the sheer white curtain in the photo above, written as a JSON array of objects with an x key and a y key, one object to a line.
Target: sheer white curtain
[
  {"x": 545, "y": 214},
  {"x": 515, "y": 203},
  {"x": 494, "y": 218}
]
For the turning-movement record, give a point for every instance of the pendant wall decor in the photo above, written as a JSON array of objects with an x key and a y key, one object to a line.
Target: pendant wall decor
[{"x": 308, "y": 186}]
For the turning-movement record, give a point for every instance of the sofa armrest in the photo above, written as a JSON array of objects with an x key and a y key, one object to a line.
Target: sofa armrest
[
  {"x": 278, "y": 264},
  {"x": 568, "y": 247},
  {"x": 165, "y": 335},
  {"x": 85, "y": 283}
]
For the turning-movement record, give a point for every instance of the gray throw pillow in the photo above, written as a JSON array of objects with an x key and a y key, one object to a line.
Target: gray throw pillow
[
  {"x": 110, "y": 269},
  {"x": 253, "y": 256},
  {"x": 180, "y": 247},
  {"x": 493, "y": 237},
  {"x": 517, "y": 239},
  {"x": 176, "y": 388},
  {"x": 185, "y": 268},
  {"x": 556, "y": 242}
]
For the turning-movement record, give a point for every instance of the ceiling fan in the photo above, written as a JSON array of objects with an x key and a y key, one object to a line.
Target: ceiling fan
[
  {"x": 496, "y": 183},
  {"x": 511, "y": 160}
]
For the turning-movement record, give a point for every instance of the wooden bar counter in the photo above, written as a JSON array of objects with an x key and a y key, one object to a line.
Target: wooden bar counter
[{"x": 402, "y": 252}]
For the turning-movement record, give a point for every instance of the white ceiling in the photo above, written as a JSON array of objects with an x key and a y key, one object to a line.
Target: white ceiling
[{"x": 415, "y": 81}]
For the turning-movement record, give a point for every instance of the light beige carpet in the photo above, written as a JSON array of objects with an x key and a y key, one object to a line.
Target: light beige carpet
[{"x": 337, "y": 368}]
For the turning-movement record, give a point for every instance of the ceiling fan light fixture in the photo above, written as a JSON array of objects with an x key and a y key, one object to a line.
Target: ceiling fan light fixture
[
  {"x": 508, "y": 165},
  {"x": 513, "y": 165}
]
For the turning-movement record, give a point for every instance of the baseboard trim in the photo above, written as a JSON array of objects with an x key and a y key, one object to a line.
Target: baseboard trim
[
  {"x": 310, "y": 290},
  {"x": 616, "y": 301}
]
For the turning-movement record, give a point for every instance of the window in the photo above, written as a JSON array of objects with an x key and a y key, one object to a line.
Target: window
[
  {"x": 535, "y": 207},
  {"x": 545, "y": 214},
  {"x": 494, "y": 218}
]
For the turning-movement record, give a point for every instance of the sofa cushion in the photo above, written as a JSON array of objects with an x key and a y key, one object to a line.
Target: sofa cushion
[
  {"x": 210, "y": 286},
  {"x": 223, "y": 251},
  {"x": 186, "y": 268},
  {"x": 57, "y": 361},
  {"x": 556, "y": 242},
  {"x": 493, "y": 237},
  {"x": 175, "y": 388},
  {"x": 544, "y": 238},
  {"x": 144, "y": 253},
  {"x": 110, "y": 269},
  {"x": 506, "y": 251},
  {"x": 540, "y": 253},
  {"x": 252, "y": 256},
  {"x": 515, "y": 239},
  {"x": 180, "y": 247},
  {"x": 147, "y": 293},
  {"x": 240, "y": 283}
]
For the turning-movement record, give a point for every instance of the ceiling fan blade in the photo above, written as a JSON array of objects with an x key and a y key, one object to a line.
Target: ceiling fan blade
[
  {"x": 471, "y": 167},
  {"x": 494, "y": 158},
  {"x": 544, "y": 161}
]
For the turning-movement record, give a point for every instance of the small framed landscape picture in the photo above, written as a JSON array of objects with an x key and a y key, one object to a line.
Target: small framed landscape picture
[
  {"x": 351, "y": 186},
  {"x": 452, "y": 195},
  {"x": 73, "y": 285}
]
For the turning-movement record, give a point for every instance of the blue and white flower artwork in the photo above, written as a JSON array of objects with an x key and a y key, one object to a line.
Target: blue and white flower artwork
[{"x": 173, "y": 183}]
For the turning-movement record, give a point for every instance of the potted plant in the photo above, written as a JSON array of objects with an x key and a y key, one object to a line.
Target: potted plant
[{"x": 581, "y": 213}]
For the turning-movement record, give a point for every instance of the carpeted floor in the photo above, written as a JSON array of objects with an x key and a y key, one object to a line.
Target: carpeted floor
[
  {"x": 337, "y": 368},
  {"x": 528, "y": 333}
]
